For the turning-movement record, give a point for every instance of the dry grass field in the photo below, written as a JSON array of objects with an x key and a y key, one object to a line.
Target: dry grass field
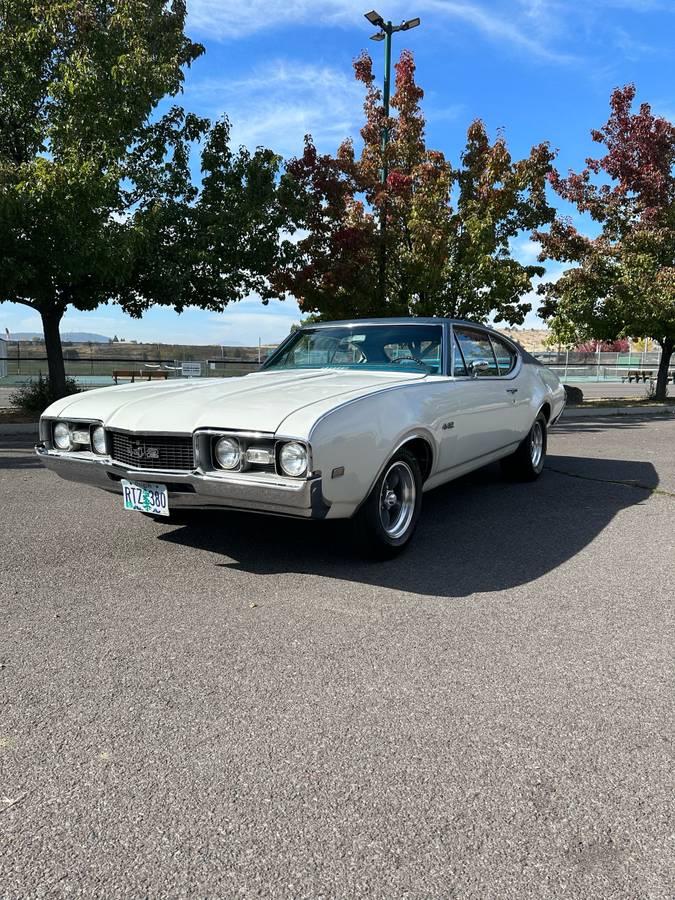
[{"x": 531, "y": 339}]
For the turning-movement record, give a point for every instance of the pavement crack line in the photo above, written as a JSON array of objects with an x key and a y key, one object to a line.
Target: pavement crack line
[{"x": 631, "y": 484}]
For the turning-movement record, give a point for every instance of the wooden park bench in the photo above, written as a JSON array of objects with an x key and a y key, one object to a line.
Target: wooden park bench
[
  {"x": 637, "y": 374},
  {"x": 147, "y": 375},
  {"x": 645, "y": 375}
]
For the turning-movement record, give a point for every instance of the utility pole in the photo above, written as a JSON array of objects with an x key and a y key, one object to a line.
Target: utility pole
[{"x": 384, "y": 34}]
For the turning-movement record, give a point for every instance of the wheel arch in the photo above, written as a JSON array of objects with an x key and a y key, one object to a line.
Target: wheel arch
[
  {"x": 545, "y": 408},
  {"x": 422, "y": 450}
]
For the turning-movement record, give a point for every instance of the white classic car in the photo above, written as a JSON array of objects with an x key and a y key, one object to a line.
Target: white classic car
[{"x": 351, "y": 419}]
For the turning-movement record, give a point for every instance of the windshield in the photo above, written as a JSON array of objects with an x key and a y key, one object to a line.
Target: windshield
[{"x": 397, "y": 348}]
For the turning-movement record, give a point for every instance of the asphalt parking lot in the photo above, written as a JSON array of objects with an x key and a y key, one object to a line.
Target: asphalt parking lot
[{"x": 243, "y": 707}]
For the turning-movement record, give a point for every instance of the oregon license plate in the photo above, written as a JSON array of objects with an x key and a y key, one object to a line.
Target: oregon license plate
[{"x": 146, "y": 497}]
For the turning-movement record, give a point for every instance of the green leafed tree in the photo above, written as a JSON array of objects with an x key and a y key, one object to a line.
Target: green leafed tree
[
  {"x": 216, "y": 243},
  {"x": 97, "y": 197},
  {"x": 447, "y": 231},
  {"x": 621, "y": 283}
]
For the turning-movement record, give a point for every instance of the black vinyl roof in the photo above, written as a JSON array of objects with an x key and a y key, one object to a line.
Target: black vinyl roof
[{"x": 397, "y": 320}]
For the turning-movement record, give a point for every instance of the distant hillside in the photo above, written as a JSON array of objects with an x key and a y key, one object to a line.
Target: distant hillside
[
  {"x": 532, "y": 339},
  {"x": 68, "y": 337}
]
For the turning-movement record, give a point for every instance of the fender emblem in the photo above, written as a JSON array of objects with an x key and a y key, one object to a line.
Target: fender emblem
[{"x": 447, "y": 425}]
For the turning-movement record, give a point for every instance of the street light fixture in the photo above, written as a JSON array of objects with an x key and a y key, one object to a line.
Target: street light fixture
[
  {"x": 374, "y": 18},
  {"x": 385, "y": 33}
]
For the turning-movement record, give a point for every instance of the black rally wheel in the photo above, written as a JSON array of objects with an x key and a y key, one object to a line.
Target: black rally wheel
[{"x": 385, "y": 523}]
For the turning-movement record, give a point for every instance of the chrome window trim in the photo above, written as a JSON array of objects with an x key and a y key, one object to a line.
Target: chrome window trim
[
  {"x": 494, "y": 337},
  {"x": 441, "y": 323},
  {"x": 515, "y": 371}
]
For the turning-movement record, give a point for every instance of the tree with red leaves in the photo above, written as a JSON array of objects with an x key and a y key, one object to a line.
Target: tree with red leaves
[
  {"x": 622, "y": 345},
  {"x": 623, "y": 281},
  {"x": 447, "y": 231}
]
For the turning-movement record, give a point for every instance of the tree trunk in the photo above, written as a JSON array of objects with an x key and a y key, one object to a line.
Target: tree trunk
[
  {"x": 667, "y": 346},
  {"x": 51, "y": 320}
]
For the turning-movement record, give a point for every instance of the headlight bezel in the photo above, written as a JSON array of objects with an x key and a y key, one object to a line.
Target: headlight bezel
[
  {"x": 303, "y": 456},
  {"x": 92, "y": 442},
  {"x": 74, "y": 426},
  {"x": 61, "y": 424},
  {"x": 259, "y": 453},
  {"x": 236, "y": 444}
]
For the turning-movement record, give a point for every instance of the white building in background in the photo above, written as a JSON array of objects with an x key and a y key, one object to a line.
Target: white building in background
[{"x": 3, "y": 358}]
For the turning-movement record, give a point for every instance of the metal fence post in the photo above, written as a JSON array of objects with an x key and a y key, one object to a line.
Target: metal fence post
[{"x": 597, "y": 370}]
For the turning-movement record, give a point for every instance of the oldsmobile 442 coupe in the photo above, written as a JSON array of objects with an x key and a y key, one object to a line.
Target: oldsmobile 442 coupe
[{"x": 352, "y": 419}]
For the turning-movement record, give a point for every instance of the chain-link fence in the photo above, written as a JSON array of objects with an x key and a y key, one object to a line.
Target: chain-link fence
[
  {"x": 19, "y": 365},
  {"x": 22, "y": 368},
  {"x": 619, "y": 367}
]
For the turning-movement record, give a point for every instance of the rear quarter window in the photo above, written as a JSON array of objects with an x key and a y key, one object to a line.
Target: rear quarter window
[{"x": 505, "y": 355}]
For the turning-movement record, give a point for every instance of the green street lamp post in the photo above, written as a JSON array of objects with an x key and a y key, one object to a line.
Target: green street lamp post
[{"x": 384, "y": 34}]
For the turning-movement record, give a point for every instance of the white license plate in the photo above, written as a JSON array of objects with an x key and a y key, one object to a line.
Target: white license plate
[{"x": 146, "y": 497}]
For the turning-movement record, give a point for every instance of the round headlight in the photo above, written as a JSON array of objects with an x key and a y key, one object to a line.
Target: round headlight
[
  {"x": 62, "y": 435},
  {"x": 293, "y": 458},
  {"x": 98, "y": 440},
  {"x": 228, "y": 453}
]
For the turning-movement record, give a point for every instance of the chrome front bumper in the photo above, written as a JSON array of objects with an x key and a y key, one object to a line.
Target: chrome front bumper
[{"x": 272, "y": 494}]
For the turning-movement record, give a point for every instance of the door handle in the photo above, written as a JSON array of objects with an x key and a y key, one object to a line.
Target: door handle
[{"x": 512, "y": 390}]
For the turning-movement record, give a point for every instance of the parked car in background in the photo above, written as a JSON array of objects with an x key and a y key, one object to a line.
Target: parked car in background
[{"x": 345, "y": 420}]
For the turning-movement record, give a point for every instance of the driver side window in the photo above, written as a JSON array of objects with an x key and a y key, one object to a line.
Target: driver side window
[{"x": 475, "y": 347}]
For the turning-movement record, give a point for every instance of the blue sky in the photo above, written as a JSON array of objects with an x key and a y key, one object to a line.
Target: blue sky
[{"x": 539, "y": 69}]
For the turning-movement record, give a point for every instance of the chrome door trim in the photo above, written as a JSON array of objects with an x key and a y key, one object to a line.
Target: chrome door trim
[{"x": 489, "y": 331}]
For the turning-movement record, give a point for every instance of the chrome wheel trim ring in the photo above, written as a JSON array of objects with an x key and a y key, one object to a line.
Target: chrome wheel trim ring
[
  {"x": 397, "y": 499},
  {"x": 536, "y": 444}
]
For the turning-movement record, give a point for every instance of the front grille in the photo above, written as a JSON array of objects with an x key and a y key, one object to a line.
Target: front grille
[{"x": 150, "y": 451}]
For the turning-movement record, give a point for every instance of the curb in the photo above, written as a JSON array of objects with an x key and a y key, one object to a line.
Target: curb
[
  {"x": 27, "y": 429},
  {"x": 578, "y": 412}
]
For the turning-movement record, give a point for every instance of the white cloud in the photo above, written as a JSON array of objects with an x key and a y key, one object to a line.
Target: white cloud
[
  {"x": 226, "y": 20},
  {"x": 231, "y": 19},
  {"x": 280, "y": 102},
  {"x": 526, "y": 250}
]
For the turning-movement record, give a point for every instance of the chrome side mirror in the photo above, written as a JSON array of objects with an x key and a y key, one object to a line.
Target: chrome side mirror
[{"x": 477, "y": 366}]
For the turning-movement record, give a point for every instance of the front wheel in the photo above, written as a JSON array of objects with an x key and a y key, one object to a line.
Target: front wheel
[
  {"x": 385, "y": 523},
  {"x": 527, "y": 463}
]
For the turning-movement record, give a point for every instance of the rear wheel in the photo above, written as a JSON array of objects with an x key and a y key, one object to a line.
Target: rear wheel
[
  {"x": 527, "y": 463},
  {"x": 385, "y": 523}
]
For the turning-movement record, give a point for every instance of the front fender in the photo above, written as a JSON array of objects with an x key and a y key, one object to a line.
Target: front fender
[{"x": 359, "y": 438}]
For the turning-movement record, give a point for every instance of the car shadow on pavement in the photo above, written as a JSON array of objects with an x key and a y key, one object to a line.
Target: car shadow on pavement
[{"x": 477, "y": 534}]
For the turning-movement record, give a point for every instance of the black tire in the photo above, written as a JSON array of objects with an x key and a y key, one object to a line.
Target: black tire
[
  {"x": 385, "y": 523},
  {"x": 527, "y": 463}
]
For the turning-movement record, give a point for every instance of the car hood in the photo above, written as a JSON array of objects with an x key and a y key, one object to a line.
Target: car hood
[{"x": 257, "y": 402}]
